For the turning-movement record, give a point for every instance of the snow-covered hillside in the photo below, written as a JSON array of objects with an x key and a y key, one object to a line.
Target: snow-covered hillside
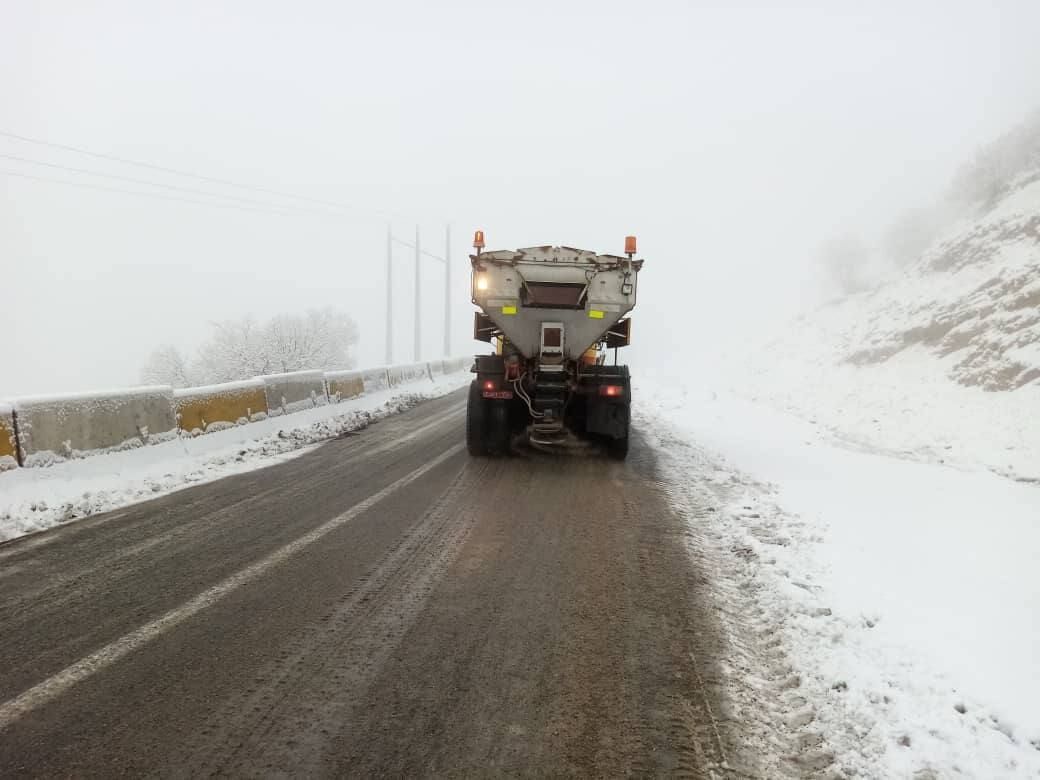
[
  {"x": 906, "y": 592},
  {"x": 941, "y": 363},
  {"x": 974, "y": 296}
]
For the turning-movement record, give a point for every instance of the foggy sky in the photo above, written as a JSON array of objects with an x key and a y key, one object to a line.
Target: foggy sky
[{"x": 730, "y": 137}]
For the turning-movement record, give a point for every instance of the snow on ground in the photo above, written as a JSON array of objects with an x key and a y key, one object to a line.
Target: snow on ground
[
  {"x": 905, "y": 593},
  {"x": 33, "y": 499},
  {"x": 906, "y": 406},
  {"x": 939, "y": 363}
]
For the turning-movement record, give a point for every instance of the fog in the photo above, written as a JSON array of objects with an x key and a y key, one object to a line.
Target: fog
[{"x": 731, "y": 138}]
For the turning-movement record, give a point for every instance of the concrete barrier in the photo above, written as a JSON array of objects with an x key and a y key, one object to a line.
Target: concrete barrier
[
  {"x": 294, "y": 391},
  {"x": 52, "y": 428},
  {"x": 215, "y": 407},
  {"x": 344, "y": 384},
  {"x": 8, "y": 446},
  {"x": 58, "y": 427},
  {"x": 407, "y": 372},
  {"x": 375, "y": 379}
]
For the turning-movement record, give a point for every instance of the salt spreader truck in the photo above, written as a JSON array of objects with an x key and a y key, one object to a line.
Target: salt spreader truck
[{"x": 552, "y": 312}]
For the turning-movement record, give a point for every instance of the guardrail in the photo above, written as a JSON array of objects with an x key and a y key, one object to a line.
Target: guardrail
[{"x": 38, "y": 431}]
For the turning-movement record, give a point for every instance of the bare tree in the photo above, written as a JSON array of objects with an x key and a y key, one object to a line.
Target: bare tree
[
  {"x": 845, "y": 260},
  {"x": 997, "y": 165},
  {"x": 909, "y": 235},
  {"x": 166, "y": 366}
]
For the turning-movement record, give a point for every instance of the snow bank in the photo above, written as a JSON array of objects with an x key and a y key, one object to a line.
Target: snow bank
[
  {"x": 36, "y": 499},
  {"x": 905, "y": 593},
  {"x": 74, "y": 425},
  {"x": 906, "y": 406}
]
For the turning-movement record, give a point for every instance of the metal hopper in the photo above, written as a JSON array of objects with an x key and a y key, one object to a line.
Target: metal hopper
[{"x": 583, "y": 294}]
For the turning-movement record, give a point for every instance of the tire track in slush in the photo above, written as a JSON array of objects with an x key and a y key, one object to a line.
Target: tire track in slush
[
  {"x": 284, "y": 724},
  {"x": 56, "y": 685},
  {"x": 686, "y": 710}
]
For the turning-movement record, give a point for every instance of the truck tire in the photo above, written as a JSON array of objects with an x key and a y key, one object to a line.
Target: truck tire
[
  {"x": 618, "y": 448},
  {"x": 498, "y": 428},
  {"x": 476, "y": 421}
]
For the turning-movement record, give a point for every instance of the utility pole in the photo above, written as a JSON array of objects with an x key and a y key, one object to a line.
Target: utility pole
[
  {"x": 447, "y": 291},
  {"x": 389, "y": 295},
  {"x": 418, "y": 298}
]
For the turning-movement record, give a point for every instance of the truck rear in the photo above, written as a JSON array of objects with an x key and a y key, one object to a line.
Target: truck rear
[{"x": 553, "y": 314}]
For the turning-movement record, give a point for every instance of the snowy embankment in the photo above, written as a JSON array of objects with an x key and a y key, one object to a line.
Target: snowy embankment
[
  {"x": 905, "y": 593},
  {"x": 906, "y": 406},
  {"x": 940, "y": 363},
  {"x": 33, "y": 499}
]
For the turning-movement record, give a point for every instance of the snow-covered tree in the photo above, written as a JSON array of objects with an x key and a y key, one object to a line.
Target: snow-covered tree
[
  {"x": 321, "y": 338},
  {"x": 166, "y": 366},
  {"x": 243, "y": 348},
  {"x": 235, "y": 351}
]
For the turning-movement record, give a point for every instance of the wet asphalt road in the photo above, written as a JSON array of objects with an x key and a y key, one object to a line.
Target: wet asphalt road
[{"x": 381, "y": 605}]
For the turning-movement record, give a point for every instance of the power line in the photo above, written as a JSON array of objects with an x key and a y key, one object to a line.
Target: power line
[
  {"x": 200, "y": 177},
  {"x": 173, "y": 187},
  {"x": 156, "y": 195},
  {"x": 422, "y": 251}
]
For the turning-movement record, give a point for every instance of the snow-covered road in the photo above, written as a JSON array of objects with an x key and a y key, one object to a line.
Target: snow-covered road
[{"x": 906, "y": 593}]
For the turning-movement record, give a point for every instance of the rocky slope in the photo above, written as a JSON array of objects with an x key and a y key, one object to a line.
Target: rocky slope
[{"x": 974, "y": 295}]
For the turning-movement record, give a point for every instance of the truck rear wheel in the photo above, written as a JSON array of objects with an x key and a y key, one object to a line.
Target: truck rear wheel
[
  {"x": 498, "y": 428},
  {"x": 476, "y": 421},
  {"x": 618, "y": 448}
]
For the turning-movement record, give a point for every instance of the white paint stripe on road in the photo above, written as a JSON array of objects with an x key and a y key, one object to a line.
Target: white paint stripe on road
[
  {"x": 55, "y": 686},
  {"x": 440, "y": 419}
]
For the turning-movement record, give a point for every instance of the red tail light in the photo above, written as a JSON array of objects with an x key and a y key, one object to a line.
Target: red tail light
[
  {"x": 612, "y": 391},
  {"x": 489, "y": 385}
]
